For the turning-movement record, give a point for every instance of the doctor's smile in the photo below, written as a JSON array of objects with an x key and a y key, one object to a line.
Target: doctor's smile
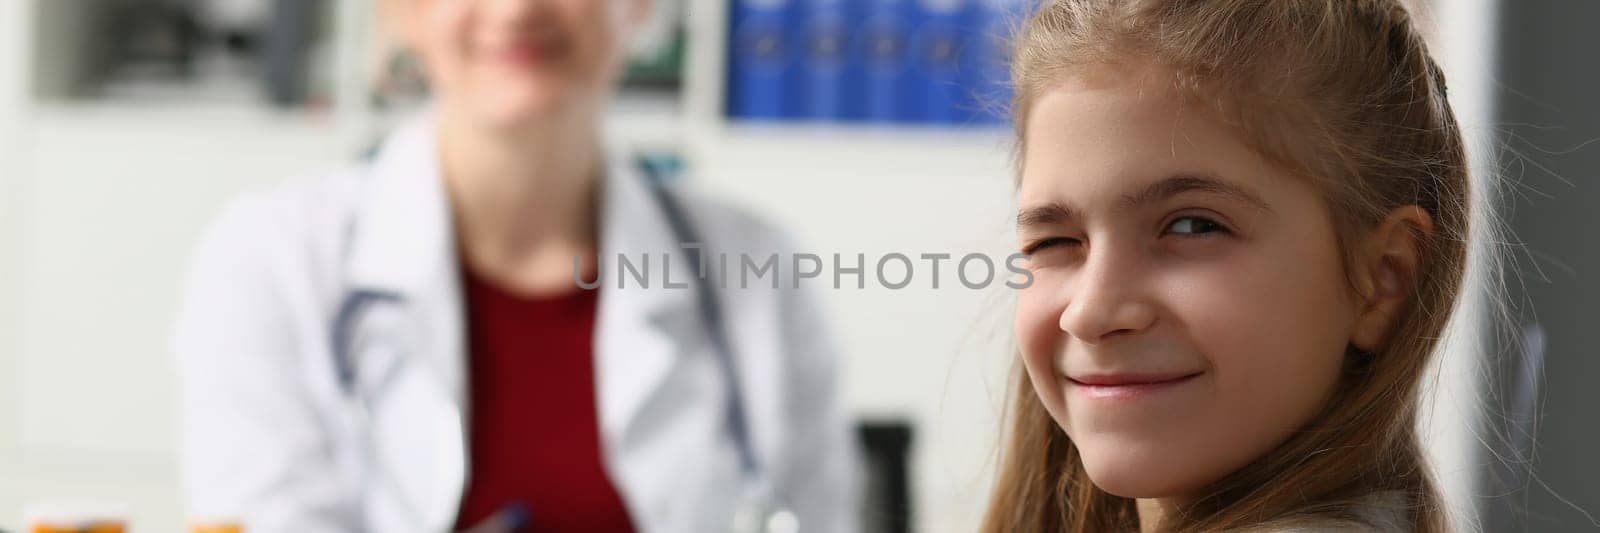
[
  {"x": 543, "y": 47},
  {"x": 527, "y": 53}
]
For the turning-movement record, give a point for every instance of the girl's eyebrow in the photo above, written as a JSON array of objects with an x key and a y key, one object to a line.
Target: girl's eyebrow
[
  {"x": 1050, "y": 214},
  {"x": 1058, "y": 213},
  {"x": 1187, "y": 183}
]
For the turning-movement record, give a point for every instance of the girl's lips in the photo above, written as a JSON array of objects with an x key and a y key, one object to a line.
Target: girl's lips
[{"x": 1127, "y": 386}]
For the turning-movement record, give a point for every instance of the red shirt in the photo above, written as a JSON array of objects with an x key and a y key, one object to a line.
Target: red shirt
[{"x": 535, "y": 433}]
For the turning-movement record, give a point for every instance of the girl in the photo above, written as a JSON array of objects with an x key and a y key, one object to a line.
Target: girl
[
  {"x": 1246, "y": 221},
  {"x": 402, "y": 346}
]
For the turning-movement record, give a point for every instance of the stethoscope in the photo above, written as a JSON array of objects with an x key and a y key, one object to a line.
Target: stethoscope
[{"x": 760, "y": 509}]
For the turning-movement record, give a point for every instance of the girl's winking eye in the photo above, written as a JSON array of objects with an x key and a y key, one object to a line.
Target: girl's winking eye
[{"x": 1037, "y": 245}]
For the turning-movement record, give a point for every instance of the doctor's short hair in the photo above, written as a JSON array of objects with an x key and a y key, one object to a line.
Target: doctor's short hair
[{"x": 1344, "y": 94}]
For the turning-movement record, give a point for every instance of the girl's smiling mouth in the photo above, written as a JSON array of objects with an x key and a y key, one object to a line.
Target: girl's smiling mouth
[{"x": 1128, "y": 385}]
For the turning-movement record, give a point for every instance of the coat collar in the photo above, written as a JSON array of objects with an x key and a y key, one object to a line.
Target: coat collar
[
  {"x": 403, "y": 244},
  {"x": 641, "y": 332},
  {"x": 402, "y": 241}
]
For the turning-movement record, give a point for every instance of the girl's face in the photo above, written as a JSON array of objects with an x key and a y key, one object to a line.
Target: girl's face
[
  {"x": 510, "y": 62},
  {"x": 1189, "y": 310}
]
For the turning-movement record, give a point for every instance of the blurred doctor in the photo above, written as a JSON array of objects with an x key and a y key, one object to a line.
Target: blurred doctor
[{"x": 401, "y": 346}]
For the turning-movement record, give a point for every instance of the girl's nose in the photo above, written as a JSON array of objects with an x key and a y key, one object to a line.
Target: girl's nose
[{"x": 1109, "y": 298}]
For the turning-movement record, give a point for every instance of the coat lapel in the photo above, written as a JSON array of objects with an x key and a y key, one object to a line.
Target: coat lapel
[
  {"x": 403, "y": 244},
  {"x": 640, "y": 332}
]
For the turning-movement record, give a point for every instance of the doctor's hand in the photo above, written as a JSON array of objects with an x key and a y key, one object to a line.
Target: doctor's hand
[{"x": 509, "y": 519}]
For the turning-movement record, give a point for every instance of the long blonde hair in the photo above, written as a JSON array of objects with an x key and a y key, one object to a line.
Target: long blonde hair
[{"x": 1345, "y": 94}]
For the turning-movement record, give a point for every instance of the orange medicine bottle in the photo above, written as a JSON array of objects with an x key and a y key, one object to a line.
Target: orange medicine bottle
[
  {"x": 217, "y": 528},
  {"x": 92, "y": 527}
]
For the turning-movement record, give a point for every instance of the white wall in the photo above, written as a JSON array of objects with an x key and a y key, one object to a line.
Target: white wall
[
  {"x": 1464, "y": 40},
  {"x": 13, "y": 33},
  {"x": 99, "y": 207},
  {"x": 114, "y": 202},
  {"x": 937, "y": 358}
]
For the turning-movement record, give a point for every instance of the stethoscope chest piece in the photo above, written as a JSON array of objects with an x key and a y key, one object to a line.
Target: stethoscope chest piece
[
  {"x": 400, "y": 414},
  {"x": 752, "y": 520},
  {"x": 760, "y": 512}
]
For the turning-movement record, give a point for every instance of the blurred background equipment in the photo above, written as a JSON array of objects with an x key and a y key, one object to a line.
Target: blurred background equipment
[
  {"x": 180, "y": 50},
  {"x": 886, "y": 498},
  {"x": 286, "y": 49},
  {"x": 145, "y": 39},
  {"x": 657, "y": 53}
]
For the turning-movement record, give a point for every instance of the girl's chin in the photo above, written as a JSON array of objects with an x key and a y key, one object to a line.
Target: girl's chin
[
  {"x": 1135, "y": 489},
  {"x": 1136, "y": 477}
]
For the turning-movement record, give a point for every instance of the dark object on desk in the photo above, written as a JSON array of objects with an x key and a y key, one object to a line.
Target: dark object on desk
[
  {"x": 886, "y": 502},
  {"x": 286, "y": 51}
]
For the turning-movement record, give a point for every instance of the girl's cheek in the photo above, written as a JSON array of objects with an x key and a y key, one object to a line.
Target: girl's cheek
[
  {"x": 1038, "y": 314},
  {"x": 1258, "y": 318},
  {"x": 1222, "y": 304},
  {"x": 1039, "y": 335}
]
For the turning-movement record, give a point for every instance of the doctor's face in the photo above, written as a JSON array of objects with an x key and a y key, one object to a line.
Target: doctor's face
[
  {"x": 1189, "y": 311},
  {"x": 506, "y": 63}
]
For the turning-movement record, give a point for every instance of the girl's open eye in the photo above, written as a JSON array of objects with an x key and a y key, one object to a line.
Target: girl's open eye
[{"x": 1193, "y": 225}]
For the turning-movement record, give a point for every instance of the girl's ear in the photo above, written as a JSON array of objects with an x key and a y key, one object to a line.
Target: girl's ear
[{"x": 1386, "y": 276}]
